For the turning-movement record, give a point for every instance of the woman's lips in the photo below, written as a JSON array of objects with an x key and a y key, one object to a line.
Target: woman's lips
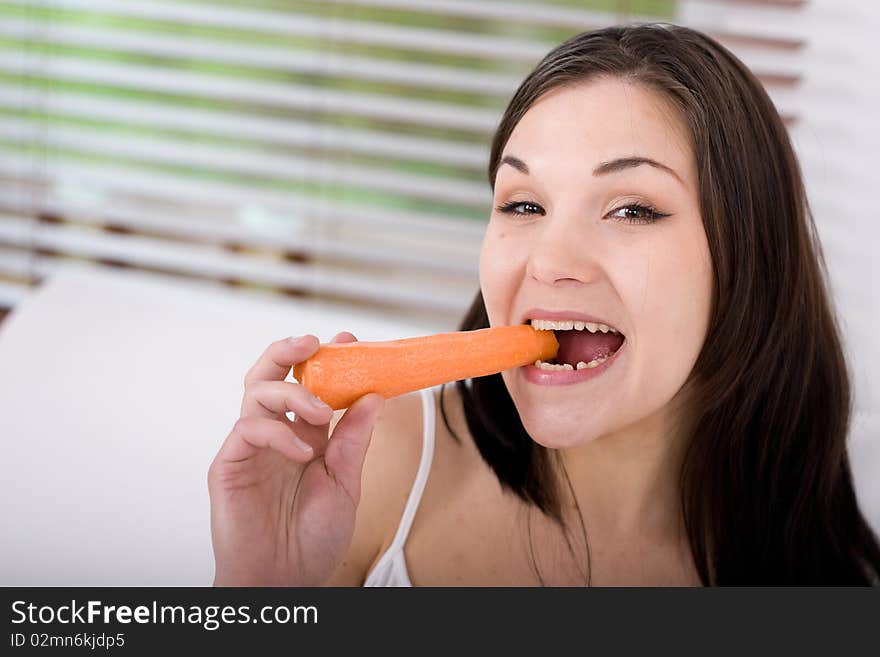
[{"x": 568, "y": 377}]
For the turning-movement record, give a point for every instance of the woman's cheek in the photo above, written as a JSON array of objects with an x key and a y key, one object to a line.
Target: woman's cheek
[
  {"x": 498, "y": 267},
  {"x": 671, "y": 319},
  {"x": 488, "y": 277},
  {"x": 688, "y": 273}
]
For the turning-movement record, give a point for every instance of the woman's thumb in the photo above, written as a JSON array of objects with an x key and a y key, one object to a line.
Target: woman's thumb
[{"x": 348, "y": 445}]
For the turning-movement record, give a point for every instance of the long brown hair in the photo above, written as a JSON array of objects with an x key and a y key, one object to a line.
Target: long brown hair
[{"x": 766, "y": 489}]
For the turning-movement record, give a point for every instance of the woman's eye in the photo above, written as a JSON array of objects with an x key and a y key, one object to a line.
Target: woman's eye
[
  {"x": 520, "y": 208},
  {"x": 636, "y": 213}
]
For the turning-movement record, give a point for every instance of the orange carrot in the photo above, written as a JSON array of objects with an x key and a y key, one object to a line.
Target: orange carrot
[{"x": 339, "y": 374}]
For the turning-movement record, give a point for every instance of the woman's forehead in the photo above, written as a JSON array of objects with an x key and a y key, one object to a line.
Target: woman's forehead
[{"x": 586, "y": 124}]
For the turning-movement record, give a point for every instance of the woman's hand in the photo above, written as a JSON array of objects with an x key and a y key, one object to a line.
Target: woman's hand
[{"x": 283, "y": 497}]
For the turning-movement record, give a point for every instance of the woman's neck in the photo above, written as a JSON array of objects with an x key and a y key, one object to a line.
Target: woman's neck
[{"x": 626, "y": 484}]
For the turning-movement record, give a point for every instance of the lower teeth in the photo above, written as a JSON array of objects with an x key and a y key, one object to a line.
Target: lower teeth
[{"x": 566, "y": 366}]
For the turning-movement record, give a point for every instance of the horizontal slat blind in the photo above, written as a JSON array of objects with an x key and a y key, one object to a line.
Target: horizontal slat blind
[{"x": 335, "y": 148}]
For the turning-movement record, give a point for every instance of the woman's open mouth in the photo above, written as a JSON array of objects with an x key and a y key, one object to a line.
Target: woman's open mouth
[{"x": 586, "y": 350}]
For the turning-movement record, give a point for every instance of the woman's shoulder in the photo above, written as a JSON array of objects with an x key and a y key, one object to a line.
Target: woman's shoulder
[
  {"x": 398, "y": 441},
  {"x": 396, "y": 451},
  {"x": 390, "y": 469}
]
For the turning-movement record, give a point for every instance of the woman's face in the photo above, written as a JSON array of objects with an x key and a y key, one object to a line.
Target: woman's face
[{"x": 577, "y": 247}]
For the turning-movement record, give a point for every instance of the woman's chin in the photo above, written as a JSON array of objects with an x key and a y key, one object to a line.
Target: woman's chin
[{"x": 554, "y": 436}]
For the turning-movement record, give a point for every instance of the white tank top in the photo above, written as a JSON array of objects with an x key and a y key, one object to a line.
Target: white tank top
[{"x": 391, "y": 568}]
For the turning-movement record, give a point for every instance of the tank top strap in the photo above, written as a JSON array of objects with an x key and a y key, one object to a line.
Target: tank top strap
[{"x": 418, "y": 487}]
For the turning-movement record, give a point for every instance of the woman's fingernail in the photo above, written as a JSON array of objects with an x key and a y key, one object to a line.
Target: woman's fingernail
[{"x": 317, "y": 403}]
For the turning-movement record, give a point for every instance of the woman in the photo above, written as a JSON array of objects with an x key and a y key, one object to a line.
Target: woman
[{"x": 643, "y": 180}]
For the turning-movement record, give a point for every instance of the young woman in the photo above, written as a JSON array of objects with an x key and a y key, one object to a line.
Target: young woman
[{"x": 642, "y": 180}]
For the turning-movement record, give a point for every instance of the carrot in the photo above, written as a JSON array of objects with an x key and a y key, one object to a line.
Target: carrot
[{"x": 339, "y": 374}]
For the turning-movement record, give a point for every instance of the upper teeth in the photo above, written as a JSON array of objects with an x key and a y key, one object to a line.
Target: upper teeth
[{"x": 551, "y": 325}]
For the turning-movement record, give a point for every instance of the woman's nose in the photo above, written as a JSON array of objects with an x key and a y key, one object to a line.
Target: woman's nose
[{"x": 563, "y": 254}]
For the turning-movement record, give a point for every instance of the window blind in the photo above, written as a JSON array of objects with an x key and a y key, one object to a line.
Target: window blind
[{"x": 333, "y": 149}]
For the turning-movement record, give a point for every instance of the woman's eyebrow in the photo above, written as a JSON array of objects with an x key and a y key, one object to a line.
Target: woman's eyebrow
[
  {"x": 622, "y": 163},
  {"x": 612, "y": 166},
  {"x": 515, "y": 162}
]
